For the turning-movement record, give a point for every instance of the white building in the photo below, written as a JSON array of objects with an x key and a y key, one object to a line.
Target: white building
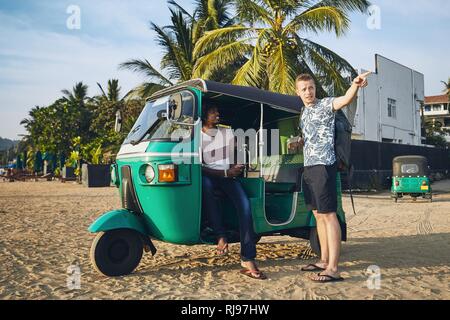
[
  {"x": 388, "y": 110},
  {"x": 437, "y": 110}
]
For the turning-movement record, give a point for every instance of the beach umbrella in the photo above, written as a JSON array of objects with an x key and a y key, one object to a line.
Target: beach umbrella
[
  {"x": 25, "y": 159},
  {"x": 53, "y": 159},
  {"x": 38, "y": 162},
  {"x": 62, "y": 160},
  {"x": 19, "y": 165}
]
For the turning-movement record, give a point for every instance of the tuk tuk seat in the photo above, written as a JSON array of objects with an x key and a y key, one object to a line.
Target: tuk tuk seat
[{"x": 282, "y": 173}]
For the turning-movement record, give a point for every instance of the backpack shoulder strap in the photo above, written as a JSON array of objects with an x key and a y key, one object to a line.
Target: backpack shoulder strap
[{"x": 349, "y": 181}]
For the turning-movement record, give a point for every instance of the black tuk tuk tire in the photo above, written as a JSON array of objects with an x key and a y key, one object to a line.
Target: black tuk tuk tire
[
  {"x": 314, "y": 241},
  {"x": 125, "y": 244}
]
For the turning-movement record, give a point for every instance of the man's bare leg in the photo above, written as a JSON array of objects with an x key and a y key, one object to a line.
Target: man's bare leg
[
  {"x": 333, "y": 231},
  {"x": 323, "y": 239}
]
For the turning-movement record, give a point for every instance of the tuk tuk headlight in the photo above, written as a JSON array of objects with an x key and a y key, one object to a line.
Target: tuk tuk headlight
[{"x": 149, "y": 173}]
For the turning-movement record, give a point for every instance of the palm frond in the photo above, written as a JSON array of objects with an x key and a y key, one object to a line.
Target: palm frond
[
  {"x": 144, "y": 90},
  {"x": 332, "y": 70},
  {"x": 320, "y": 19},
  {"x": 173, "y": 58},
  {"x": 254, "y": 72},
  {"x": 180, "y": 8},
  {"x": 221, "y": 57},
  {"x": 213, "y": 39},
  {"x": 101, "y": 89},
  {"x": 252, "y": 12},
  {"x": 345, "y": 5},
  {"x": 282, "y": 72},
  {"x": 144, "y": 67}
]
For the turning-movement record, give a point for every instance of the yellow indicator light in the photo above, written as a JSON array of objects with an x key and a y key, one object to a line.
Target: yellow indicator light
[{"x": 167, "y": 173}]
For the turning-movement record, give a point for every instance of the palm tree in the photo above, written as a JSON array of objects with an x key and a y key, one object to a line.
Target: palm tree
[
  {"x": 447, "y": 87},
  {"x": 104, "y": 108},
  {"x": 78, "y": 93},
  {"x": 113, "y": 90},
  {"x": 178, "y": 41},
  {"x": 271, "y": 36},
  {"x": 106, "y": 105},
  {"x": 77, "y": 99}
]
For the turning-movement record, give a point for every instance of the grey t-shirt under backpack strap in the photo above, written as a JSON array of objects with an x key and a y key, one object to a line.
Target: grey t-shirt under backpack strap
[{"x": 317, "y": 124}]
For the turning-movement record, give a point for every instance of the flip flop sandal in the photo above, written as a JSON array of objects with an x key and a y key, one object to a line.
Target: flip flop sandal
[
  {"x": 222, "y": 251},
  {"x": 254, "y": 274},
  {"x": 312, "y": 268},
  {"x": 328, "y": 278}
]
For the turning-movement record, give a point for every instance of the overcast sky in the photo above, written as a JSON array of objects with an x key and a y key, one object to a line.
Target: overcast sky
[{"x": 40, "y": 56}]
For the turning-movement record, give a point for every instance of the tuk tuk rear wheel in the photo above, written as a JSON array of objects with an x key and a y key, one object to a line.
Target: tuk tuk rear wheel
[
  {"x": 116, "y": 252},
  {"x": 314, "y": 241}
]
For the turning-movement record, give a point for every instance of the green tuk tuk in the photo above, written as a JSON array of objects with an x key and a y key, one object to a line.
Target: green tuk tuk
[
  {"x": 410, "y": 177},
  {"x": 159, "y": 174}
]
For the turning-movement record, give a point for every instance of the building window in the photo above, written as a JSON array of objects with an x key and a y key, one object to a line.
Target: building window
[
  {"x": 392, "y": 108},
  {"x": 427, "y": 108},
  {"x": 447, "y": 122},
  {"x": 437, "y": 107}
]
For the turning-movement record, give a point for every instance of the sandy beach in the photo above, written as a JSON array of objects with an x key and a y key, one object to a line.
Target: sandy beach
[{"x": 44, "y": 231}]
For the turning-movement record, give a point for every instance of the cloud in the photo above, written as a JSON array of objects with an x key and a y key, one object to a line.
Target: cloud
[{"x": 35, "y": 65}]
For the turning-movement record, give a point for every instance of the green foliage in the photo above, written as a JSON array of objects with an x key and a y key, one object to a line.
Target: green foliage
[
  {"x": 270, "y": 39},
  {"x": 177, "y": 42},
  {"x": 73, "y": 159},
  {"x": 435, "y": 133},
  {"x": 81, "y": 126}
]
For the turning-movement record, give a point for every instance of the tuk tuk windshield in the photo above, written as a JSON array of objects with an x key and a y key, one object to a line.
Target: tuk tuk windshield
[
  {"x": 153, "y": 125},
  {"x": 410, "y": 168},
  {"x": 146, "y": 119}
]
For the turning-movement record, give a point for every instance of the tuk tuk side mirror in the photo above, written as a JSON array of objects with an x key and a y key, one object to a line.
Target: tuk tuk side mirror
[
  {"x": 175, "y": 106},
  {"x": 174, "y": 111},
  {"x": 118, "y": 123}
]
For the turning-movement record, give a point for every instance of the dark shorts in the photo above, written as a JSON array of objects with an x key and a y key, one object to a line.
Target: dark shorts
[{"x": 319, "y": 188}]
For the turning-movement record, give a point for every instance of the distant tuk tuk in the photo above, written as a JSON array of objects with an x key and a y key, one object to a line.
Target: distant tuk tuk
[
  {"x": 410, "y": 177},
  {"x": 159, "y": 175}
]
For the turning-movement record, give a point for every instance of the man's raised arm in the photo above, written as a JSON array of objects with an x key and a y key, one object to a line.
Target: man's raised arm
[{"x": 359, "y": 82}]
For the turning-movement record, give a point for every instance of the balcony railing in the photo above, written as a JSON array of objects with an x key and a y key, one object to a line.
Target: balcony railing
[{"x": 436, "y": 113}]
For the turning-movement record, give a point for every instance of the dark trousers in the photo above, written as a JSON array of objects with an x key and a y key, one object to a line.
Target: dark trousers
[{"x": 234, "y": 191}]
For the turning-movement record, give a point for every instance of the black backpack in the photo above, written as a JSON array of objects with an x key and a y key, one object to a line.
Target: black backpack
[
  {"x": 342, "y": 141},
  {"x": 342, "y": 147}
]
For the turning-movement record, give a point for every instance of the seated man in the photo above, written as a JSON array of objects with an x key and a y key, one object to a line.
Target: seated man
[{"x": 218, "y": 173}]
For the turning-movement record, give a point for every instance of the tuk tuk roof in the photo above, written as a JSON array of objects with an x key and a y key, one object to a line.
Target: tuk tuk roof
[
  {"x": 420, "y": 161},
  {"x": 410, "y": 159},
  {"x": 288, "y": 103}
]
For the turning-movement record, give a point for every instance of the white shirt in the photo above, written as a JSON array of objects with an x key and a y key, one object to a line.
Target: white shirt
[{"x": 218, "y": 148}]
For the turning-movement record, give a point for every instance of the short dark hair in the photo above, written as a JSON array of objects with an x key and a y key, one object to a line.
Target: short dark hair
[
  {"x": 205, "y": 109},
  {"x": 304, "y": 77}
]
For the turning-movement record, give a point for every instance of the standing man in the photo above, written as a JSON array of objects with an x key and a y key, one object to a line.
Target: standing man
[{"x": 317, "y": 123}]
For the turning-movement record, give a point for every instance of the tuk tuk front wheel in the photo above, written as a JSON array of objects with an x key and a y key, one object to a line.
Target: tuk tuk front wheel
[
  {"x": 116, "y": 252},
  {"x": 314, "y": 241}
]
